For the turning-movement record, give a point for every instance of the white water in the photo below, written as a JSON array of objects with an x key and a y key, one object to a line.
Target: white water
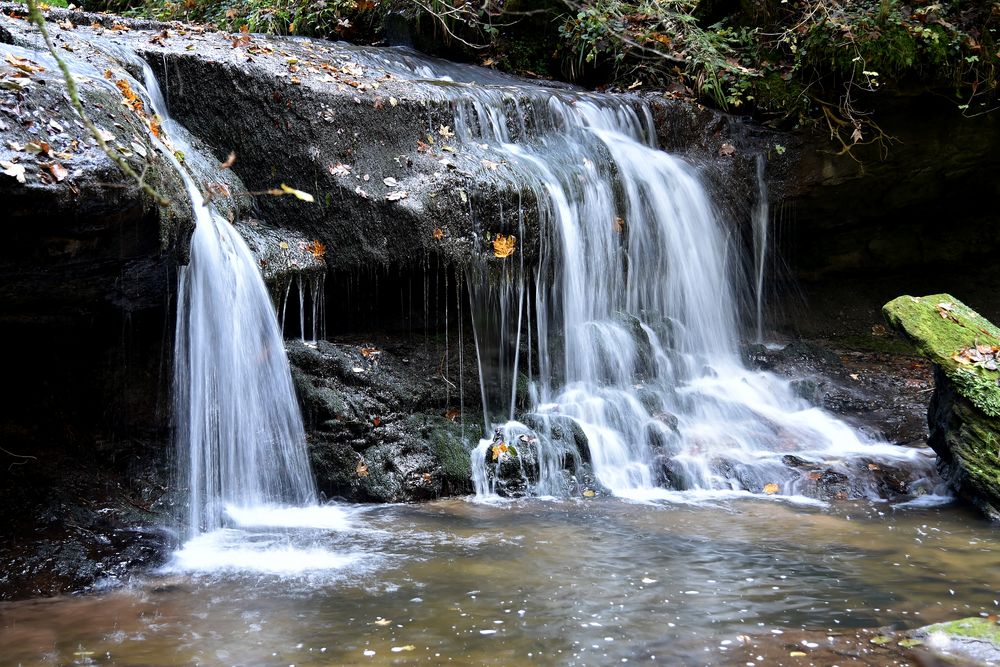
[
  {"x": 250, "y": 497},
  {"x": 635, "y": 310}
]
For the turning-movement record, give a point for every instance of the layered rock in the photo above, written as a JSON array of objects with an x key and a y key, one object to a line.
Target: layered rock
[{"x": 964, "y": 412}]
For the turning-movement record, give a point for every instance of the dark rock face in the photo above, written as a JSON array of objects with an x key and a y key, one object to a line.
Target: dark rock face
[{"x": 386, "y": 424}]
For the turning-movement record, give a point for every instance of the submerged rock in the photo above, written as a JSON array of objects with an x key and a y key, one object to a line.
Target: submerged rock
[{"x": 964, "y": 412}]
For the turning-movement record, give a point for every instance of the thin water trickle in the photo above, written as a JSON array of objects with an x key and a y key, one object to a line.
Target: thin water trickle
[{"x": 761, "y": 223}]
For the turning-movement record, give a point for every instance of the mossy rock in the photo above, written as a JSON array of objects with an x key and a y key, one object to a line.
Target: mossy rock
[
  {"x": 941, "y": 327},
  {"x": 975, "y": 638},
  {"x": 964, "y": 412}
]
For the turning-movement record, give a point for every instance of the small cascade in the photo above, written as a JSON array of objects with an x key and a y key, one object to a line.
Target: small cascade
[
  {"x": 635, "y": 324},
  {"x": 239, "y": 433},
  {"x": 761, "y": 223}
]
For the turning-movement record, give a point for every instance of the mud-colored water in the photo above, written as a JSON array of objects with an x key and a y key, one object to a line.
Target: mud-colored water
[{"x": 535, "y": 582}]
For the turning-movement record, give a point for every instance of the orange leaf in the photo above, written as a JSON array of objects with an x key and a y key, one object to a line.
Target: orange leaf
[
  {"x": 771, "y": 489},
  {"x": 438, "y": 233},
  {"x": 504, "y": 246},
  {"x": 317, "y": 249}
]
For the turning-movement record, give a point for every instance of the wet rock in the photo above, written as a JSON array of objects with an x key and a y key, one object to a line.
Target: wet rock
[
  {"x": 964, "y": 412},
  {"x": 975, "y": 638},
  {"x": 383, "y": 424}
]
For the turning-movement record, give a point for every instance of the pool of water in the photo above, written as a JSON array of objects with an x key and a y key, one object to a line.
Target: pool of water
[{"x": 594, "y": 582}]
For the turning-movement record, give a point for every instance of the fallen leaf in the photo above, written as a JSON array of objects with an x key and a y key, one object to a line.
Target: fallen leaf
[
  {"x": 41, "y": 147},
  {"x": 230, "y": 161},
  {"x": 618, "y": 225},
  {"x": 131, "y": 98},
  {"x": 771, "y": 489},
  {"x": 389, "y": 181},
  {"x": 504, "y": 246},
  {"x": 383, "y": 621},
  {"x": 408, "y": 647},
  {"x": 727, "y": 149},
  {"x": 13, "y": 169},
  {"x": 283, "y": 245},
  {"x": 438, "y": 233},
  {"x": 854, "y": 376},
  {"x": 910, "y": 643},
  {"x": 377, "y": 421},
  {"x": 298, "y": 194},
  {"x": 362, "y": 468},
  {"x": 339, "y": 169},
  {"x": 14, "y": 146},
  {"x": 797, "y": 654},
  {"x": 872, "y": 466},
  {"x": 316, "y": 248},
  {"x": 453, "y": 415},
  {"x": 58, "y": 171},
  {"x": 397, "y": 195},
  {"x": 23, "y": 64},
  {"x": 445, "y": 131},
  {"x": 369, "y": 352},
  {"x": 589, "y": 493}
]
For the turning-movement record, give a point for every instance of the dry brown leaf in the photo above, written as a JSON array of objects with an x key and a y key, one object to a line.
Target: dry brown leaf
[
  {"x": 230, "y": 161},
  {"x": 438, "y": 233}
]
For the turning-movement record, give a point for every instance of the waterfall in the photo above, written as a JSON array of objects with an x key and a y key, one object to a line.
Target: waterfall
[
  {"x": 634, "y": 301},
  {"x": 239, "y": 433}
]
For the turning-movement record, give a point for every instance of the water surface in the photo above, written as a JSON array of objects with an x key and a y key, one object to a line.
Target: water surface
[{"x": 591, "y": 582}]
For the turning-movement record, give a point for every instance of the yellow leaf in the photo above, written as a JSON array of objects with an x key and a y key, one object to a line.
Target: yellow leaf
[
  {"x": 504, "y": 246},
  {"x": 298, "y": 194},
  {"x": 283, "y": 245},
  {"x": 771, "y": 489},
  {"x": 362, "y": 469},
  {"x": 589, "y": 493}
]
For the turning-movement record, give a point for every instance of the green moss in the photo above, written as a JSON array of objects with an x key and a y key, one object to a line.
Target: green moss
[
  {"x": 974, "y": 627},
  {"x": 445, "y": 439},
  {"x": 940, "y": 326}
]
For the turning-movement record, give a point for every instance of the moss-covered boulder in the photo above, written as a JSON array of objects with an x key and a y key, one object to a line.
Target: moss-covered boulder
[
  {"x": 974, "y": 638},
  {"x": 964, "y": 412}
]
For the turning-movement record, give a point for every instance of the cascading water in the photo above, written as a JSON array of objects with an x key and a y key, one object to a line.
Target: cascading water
[
  {"x": 250, "y": 496},
  {"x": 239, "y": 433},
  {"x": 635, "y": 306}
]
